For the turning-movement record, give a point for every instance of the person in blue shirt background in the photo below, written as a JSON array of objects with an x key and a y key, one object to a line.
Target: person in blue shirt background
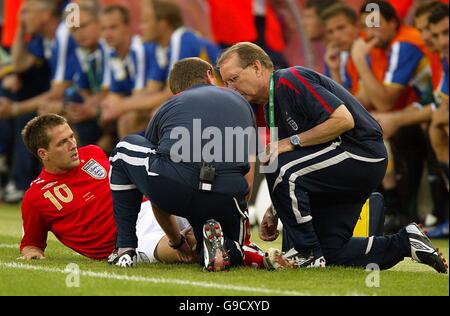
[
  {"x": 47, "y": 52},
  {"x": 91, "y": 77},
  {"x": 128, "y": 63},
  {"x": 167, "y": 41}
]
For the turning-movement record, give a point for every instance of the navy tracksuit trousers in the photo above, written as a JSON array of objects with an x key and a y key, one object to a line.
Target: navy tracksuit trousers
[{"x": 318, "y": 193}]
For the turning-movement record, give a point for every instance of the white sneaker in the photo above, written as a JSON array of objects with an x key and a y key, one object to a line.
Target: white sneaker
[
  {"x": 12, "y": 195},
  {"x": 128, "y": 259}
]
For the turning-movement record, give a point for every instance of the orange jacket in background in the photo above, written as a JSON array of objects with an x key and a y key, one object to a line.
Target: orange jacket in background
[
  {"x": 380, "y": 65},
  {"x": 10, "y": 13},
  {"x": 233, "y": 22}
]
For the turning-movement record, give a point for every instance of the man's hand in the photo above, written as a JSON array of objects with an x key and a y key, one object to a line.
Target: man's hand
[
  {"x": 268, "y": 230},
  {"x": 50, "y": 107},
  {"x": 6, "y": 108},
  {"x": 388, "y": 123},
  {"x": 273, "y": 150},
  {"x": 333, "y": 57},
  {"x": 111, "y": 108},
  {"x": 440, "y": 116},
  {"x": 77, "y": 113},
  {"x": 361, "y": 49},
  {"x": 12, "y": 83},
  {"x": 30, "y": 253},
  {"x": 190, "y": 237},
  {"x": 185, "y": 251}
]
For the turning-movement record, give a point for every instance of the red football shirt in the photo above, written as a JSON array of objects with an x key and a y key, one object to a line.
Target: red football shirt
[{"x": 76, "y": 207}]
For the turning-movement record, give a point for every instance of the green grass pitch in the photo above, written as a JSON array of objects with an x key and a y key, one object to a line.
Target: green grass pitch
[{"x": 56, "y": 275}]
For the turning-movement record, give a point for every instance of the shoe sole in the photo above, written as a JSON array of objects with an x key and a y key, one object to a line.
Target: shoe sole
[{"x": 216, "y": 256}]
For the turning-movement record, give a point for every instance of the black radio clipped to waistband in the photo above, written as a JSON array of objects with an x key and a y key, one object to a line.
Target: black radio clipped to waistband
[{"x": 207, "y": 177}]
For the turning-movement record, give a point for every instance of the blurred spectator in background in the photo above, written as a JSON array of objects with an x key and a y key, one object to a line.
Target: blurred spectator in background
[
  {"x": 439, "y": 130},
  {"x": 91, "y": 76},
  {"x": 128, "y": 63},
  {"x": 34, "y": 61},
  {"x": 417, "y": 113},
  {"x": 167, "y": 42},
  {"x": 342, "y": 29},
  {"x": 392, "y": 84},
  {"x": 314, "y": 29},
  {"x": 421, "y": 16}
]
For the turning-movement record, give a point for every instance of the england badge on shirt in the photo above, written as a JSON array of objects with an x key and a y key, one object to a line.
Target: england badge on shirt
[{"x": 95, "y": 170}]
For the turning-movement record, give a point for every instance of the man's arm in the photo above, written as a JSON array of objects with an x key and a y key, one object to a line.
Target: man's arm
[
  {"x": 339, "y": 122},
  {"x": 88, "y": 110},
  {"x": 382, "y": 97},
  {"x": 21, "y": 58},
  {"x": 149, "y": 99},
  {"x": 169, "y": 225},
  {"x": 249, "y": 177},
  {"x": 392, "y": 121},
  {"x": 333, "y": 62},
  {"x": 56, "y": 93},
  {"x": 35, "y": 230}
]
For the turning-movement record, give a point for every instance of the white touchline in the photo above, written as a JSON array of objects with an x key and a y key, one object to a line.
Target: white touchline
[
  {"x": 113, "y": 276},
  {"x": 9, "y": 246}
]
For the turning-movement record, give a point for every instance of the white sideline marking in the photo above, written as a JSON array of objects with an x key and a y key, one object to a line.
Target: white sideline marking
[
  {"x": 113, "y": 276},
  {"x": 10, "y": 246}
]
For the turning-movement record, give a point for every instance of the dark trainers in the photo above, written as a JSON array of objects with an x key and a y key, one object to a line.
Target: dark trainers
[
  {"x": 274, "y": 259},
  {"x": 215, "y": 253},
  {"x": 423, "y": 251},
  {"x": 127, "y": 259}
]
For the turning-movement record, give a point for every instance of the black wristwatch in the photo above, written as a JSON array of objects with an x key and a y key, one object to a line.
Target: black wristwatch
[
  {"x": 295, "y": 140},
  {"x": 178, "y": 246}
]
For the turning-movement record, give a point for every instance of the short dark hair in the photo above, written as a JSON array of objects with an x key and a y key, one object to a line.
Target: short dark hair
[
  {"x": 387, "y": 11},
  {"x": 438, "y": 14},
  {"x": 340, "y": 9},
  {"x": 320, "y": 5},
  {"x": 34, "y": 134},
  {"x": 425, "y": 7},
  {"x": 187, "y": 73},
  {"x": 123, "y": 11},
  {"x": 165, "y": 10}
]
